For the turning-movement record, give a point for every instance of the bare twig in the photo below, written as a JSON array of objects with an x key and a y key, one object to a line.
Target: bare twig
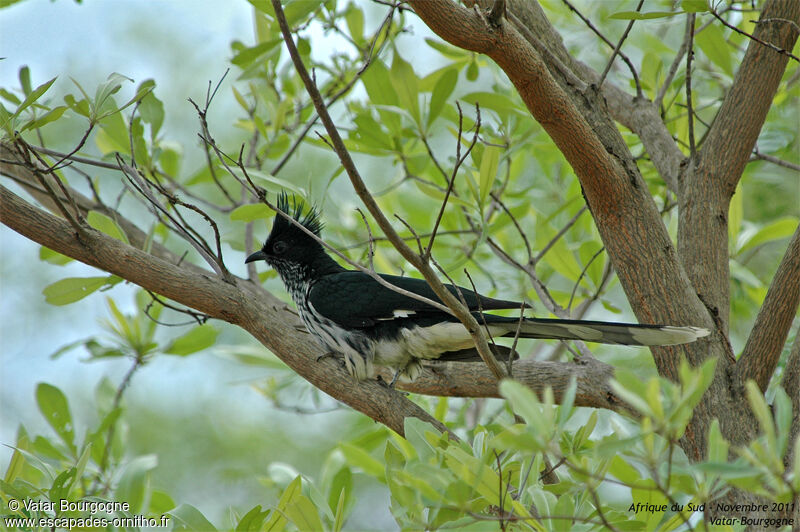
[
  {"x": 617, "y": 49},
  {"x": 459, "y": 160},
  {"x": 558, "y": 235},
  {"x": 689, "y": 56},
  {"x": 753, "y": 37},
  {"x": 371, "y": 249}
]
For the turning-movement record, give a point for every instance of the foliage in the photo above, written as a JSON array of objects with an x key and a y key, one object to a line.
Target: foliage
[{"x": 514, "y": 193}]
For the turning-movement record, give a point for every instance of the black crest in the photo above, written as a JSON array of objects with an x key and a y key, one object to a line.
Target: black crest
[{"x": 296, "y": 209}]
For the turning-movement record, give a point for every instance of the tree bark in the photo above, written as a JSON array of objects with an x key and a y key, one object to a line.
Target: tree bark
[{"x": 650, "y": 270}]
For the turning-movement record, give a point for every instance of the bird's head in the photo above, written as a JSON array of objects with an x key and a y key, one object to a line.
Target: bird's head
[{"x": 288, "y": 247}]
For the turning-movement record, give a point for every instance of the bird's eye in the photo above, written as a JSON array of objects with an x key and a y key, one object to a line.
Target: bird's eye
[{"x": 279, "y": 247}]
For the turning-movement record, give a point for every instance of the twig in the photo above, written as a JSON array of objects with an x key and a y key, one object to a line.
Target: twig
[
  {"x": 514, "y": 221},
  {"x": 753, "y": 37},
  {"x": 459, "y": 160},
  {"x": 689, "y": 55},
  {"x": 361, "y": 189},
  {"x": 758, "y": 156},
  {"x": 497, "y": 12},
  {"x": 583, "y": 272},
  {"x": 617, "y": 52},
  {"x": 558, "y": 235},
  {"x": 371, "y": 249},
  {"x": 603, "y": 38},
  {"x": 198, "y": 317},
  {"x": 344, "y": 90}
]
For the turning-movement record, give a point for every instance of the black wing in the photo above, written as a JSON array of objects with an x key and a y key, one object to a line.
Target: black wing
[{"x": 354, "y": 299}]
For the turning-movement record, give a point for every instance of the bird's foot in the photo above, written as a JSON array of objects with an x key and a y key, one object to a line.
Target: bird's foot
[{"x": 390, "y": 385}]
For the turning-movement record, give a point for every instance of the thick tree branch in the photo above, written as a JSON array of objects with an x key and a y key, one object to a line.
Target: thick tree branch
[
  {"x": 592, "y": 377},
  {"x": 624, "y": 211},
  {"x": 638, "y": 114},
  {"x": 709, "y": 181},
  {"x": 791, "y": 384},
  {"x": 765, "y": 343}
]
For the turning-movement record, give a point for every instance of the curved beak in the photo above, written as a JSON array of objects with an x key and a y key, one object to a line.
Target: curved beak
[{"x": 258, "y": 255}]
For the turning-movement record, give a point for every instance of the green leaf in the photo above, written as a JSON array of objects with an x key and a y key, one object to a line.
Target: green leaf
[
  {"x": 717, "y": 444},
  {"x": 278, "y": 520},
  {"x": 338, "y": 521},
  {"x": 53, "y": 257},
  {"x": 199, "y": 338},
  {"x": 499, "y": 103},
  {"x": 33, "y": 96},
  {"x": 151, "y": 109},
  {"x": 106, "y": 225},
  {"x": 472, "y": 70},
  {"x": 134, "y": 485},
  {"x": 251, "y": 212},
  {"x": 781, "y": 228},
  {"x": 712, "y": 42},
  {"x": 451, "y": 52},
  {"x": 416, "y": 432},
  {"x": 187, "y": 517},
  {"x": 252, "y": 520},
  {"x": 50, "y": 116},
  {"x": 15, "y": 466},
  {"x": 296, "y": 11},
  {"x": 269, "y": 181},
  {"x": 303, "y": 514},
  {"x": 405, "y": 83},
  {"x": 694, "y": 6},
  {"x": 488, "y": 170},
  {"x": 105, "y": 90},
  {"x": 54, "y": 407},
  {"x": 355, "y": 22},
  {"x": 524, "y": 403},
  {"x": 25, "y": 79},
  {"x": 633, "y": 15},
  {"x": 358, "y": 457},
  {"x": 378, "y": 84},
  {"x": 760, "y": 409},
  {"x": 441, "y": 91},
  {"x": 735, "y": 215}
]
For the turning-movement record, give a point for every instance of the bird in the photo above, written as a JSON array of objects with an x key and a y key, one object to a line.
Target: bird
[{"x": 359, "y": 319}]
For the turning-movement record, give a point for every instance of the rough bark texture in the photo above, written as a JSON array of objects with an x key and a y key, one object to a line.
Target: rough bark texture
[
  {"x": 709, "y": 180},
  {"x": 662, "y": 285}
]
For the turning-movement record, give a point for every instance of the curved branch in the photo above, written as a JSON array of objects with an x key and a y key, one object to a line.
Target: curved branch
[
  {"x": 636, "y": 113},
  {"x": 626, "y": 216},
  {"x": 765, "y": 343},
  {"x": 710, "y": 179}
]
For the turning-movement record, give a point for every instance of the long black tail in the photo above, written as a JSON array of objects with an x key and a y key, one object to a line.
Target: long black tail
[{"x": 596, "y": 331}]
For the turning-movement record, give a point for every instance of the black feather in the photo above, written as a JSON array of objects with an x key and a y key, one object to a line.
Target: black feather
[{"x": 310, "y": 219}]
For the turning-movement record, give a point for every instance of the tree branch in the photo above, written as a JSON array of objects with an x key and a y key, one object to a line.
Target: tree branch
[
  {"x": 624, "y": 211},
  {"x": 765, "y": 343},
  {"x": 710, "y": 180}
]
